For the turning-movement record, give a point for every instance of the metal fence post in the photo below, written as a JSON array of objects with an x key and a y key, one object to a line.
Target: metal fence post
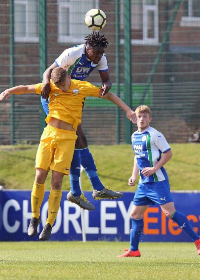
[
  {"x": 127, "y": 64},
  {"x": 42, "y": 50},
  {"x": 117, "y": 26},
  {"x": 12, "y": 70}
]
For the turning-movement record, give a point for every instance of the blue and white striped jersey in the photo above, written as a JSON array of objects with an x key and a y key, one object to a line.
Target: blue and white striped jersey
[
  {"x": 79, "y": 67},
  {"x": 148, "y": 146}
]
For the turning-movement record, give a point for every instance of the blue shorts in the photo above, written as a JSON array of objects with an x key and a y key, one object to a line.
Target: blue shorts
[
  {"x": 151, "y": 193},
  {"x": 45, "y": 105}
]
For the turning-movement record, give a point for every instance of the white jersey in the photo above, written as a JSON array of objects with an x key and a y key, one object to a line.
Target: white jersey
[
  {"x": 75, "y": 61},
  {"x": 148, "y": 146}
]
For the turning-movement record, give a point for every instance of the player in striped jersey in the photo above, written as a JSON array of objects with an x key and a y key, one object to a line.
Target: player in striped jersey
[
  {"x": 80, "y": 61},
  {"x": 148, "y": 145}
]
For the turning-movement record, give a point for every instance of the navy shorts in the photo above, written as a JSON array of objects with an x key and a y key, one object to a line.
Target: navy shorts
[{"x": 151, "y": 193}]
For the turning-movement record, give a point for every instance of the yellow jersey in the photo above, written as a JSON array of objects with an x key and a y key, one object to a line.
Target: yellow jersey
[{"x": 67, "y": 106}]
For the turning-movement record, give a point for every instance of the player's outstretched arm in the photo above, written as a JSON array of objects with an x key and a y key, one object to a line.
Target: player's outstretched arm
[
  {"x": 116, "y": 100},
  {"x": 17, "y": 90},
  {"x": 46, "y": 81}
]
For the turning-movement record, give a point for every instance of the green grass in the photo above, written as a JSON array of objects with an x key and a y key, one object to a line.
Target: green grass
[
  {"x": 97, "y": 260},
  {"x": 114, "y": 165}
]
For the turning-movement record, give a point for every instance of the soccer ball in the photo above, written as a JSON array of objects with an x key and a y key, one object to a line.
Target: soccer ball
[{"x": 95, "y": 19}]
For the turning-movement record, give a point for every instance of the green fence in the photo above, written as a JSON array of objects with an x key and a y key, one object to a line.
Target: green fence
[{"x": 153, "y": 57}]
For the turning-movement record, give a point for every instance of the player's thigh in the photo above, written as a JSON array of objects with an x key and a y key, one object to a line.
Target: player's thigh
[
  {"x": 45, "y": 150},
  {"x": 159, "y": 192},
  {"x": 168, "y": 209},
  {"x": 137, "y": 212},
  {"x": 63, "y": 154},
  {"x": 81, "y": 142},
  {"x": 140, "y": 197}
]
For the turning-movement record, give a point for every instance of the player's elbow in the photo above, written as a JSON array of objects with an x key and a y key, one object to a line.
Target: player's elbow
[
  {"x": 108, "y": 96},
  {"x": 169, "y": 153}
]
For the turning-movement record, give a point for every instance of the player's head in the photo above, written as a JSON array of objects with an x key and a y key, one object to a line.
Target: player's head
[
  {"x": 60, "y": 78},
  {"x": 144, "y": 117},
  {"x": 95, "y": 46}
]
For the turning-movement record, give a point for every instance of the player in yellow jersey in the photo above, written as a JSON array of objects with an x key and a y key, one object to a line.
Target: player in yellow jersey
[{"x": 57, "y": 142}]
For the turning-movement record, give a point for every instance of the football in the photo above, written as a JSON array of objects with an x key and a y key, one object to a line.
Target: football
[{"x": 95, "y": 19}]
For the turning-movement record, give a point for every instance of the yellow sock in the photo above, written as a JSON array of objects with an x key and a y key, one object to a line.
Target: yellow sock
[
  {"x": 54, "y": 204},
  {"x": 37, "y": 196}
]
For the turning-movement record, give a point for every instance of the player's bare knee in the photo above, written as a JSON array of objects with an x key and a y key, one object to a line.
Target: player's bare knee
[
  {"x": 40, "y": 175},
  {"x": 168, "y": 214},
  {"x": 56, "y": 183},
  {"x": 135, "y": 216}
]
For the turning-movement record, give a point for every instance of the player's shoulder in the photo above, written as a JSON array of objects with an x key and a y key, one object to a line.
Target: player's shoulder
[
  {"x": 80, "y": 83},
  {"x": 104, "y": 57},
  {"x": 103, "y": 62},
  {"x": 75, "y": 50},
  {"x": 38, "y": 87},
  {"x": 155, "y": 134},
  {"x": 76, "y": 83},
  {"x": 133, "y": 135},
  {"x": 135, "y": 132}
]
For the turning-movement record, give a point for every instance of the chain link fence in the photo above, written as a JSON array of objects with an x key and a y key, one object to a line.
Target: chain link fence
[{"x": 157, "y": 41}]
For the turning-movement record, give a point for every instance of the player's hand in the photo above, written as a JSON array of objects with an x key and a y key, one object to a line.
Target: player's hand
[
  {"x": 131, "y": 181},
  {"x": 4, "y": 95},
  {"x": 148, "y": 171},
  {"x": 131, "y": 115},
  {"x": 104, "y": 89},
  {"x": 45, "y": 91}
]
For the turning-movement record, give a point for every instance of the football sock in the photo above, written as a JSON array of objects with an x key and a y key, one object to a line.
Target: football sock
[
  {"x": 88, "y": 164},
  {"x": 183, "y": 222},
  {"x": 136, "y": 231},
  {"x": 54, "y": 204},
  {"x": 75, "y": 174},
  {"x": 37, "y": 196}
]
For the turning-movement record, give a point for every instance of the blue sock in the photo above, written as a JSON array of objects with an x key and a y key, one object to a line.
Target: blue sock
[
  {"x": 75, "y": 174},
  {"x": 183, "y": 222},
  {"x": 136, "y": 231},
  {"x": 88, "y": 164}
]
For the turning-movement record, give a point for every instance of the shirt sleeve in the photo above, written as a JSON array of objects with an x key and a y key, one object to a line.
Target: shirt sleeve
[
  {"x": 68, "y": 57},
  {"x": 161, "y": 142},
  {"x": 38, "y": 88},
  {"x": 91, "y": 90},
  {"x": 103, "y": 65}
]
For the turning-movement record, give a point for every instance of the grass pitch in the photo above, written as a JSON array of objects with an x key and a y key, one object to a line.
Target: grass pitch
[
  {"x": 97, "y": 260},
  {"x": 114, "y": 164}
]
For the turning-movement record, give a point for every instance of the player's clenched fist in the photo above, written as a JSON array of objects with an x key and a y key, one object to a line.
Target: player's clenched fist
[{"x": 131, "y": 181}]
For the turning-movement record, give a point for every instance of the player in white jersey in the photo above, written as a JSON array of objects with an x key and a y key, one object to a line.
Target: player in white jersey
[
  {"x": 152, "y": 152},
  {"x": 80, "y": 61}
]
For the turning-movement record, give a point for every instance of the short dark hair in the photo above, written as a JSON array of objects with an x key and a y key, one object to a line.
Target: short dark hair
[
  {"x": 96, "y": 40},
  {"x": 58, "y": 75}
]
